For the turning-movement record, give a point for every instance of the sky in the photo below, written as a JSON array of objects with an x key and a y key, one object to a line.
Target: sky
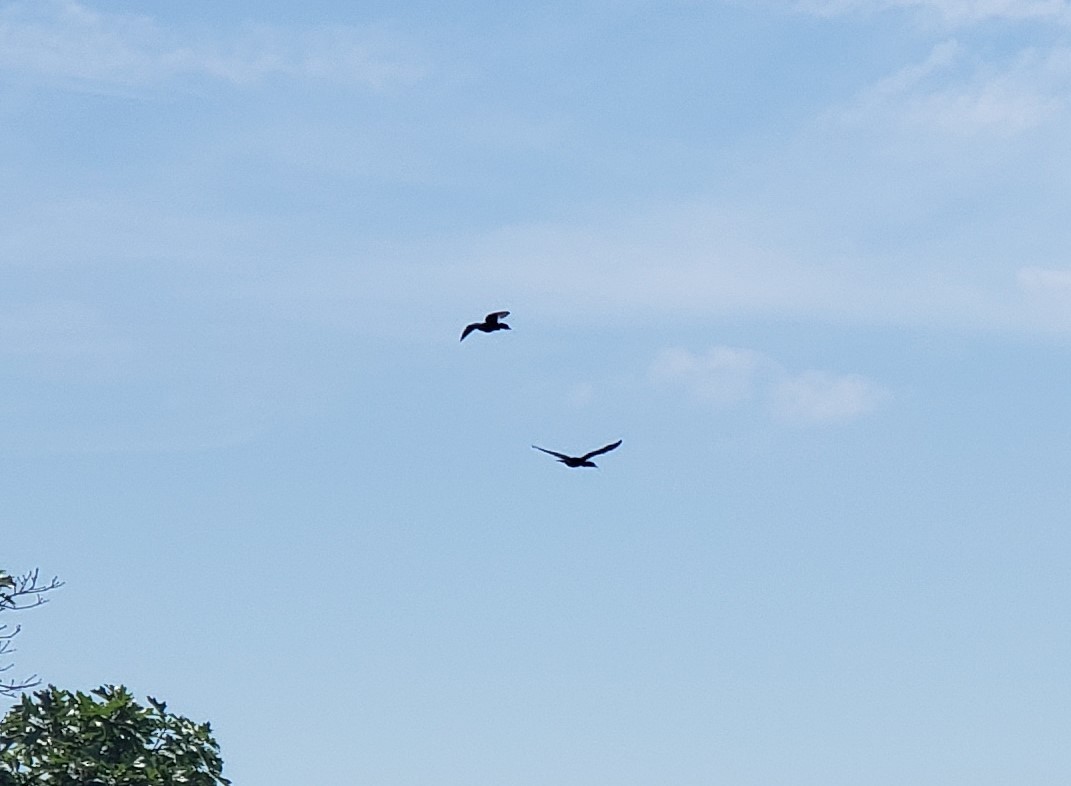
[{"x": 809, "y": 259}]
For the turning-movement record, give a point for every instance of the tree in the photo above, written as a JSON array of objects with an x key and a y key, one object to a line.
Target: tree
[
  {"x": 16, "y": 594},
  {"x": 104, "y": 738}
]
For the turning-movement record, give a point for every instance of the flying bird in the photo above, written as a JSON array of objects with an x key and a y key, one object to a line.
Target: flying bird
[
  {"x": 581, "y": 461},
  {"x": 489, "y": 325}
]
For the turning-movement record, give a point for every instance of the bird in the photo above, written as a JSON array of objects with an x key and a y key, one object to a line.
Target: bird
[
  {"x": 581, "y": 461},
  {"x": 489, "y": 325}
]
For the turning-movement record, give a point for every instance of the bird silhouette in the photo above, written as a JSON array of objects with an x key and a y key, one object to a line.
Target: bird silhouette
[
  {"x": 489, "y": 325},
  {"x": 580, "y": 461}
]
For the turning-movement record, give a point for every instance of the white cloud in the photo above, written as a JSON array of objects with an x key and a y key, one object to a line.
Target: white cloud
[
  {"x": 66, "y": 40},
  {"x": 732, "y": 376},
  {"x": 821, "y": 397},
  {"x": 723, "y": 375}
]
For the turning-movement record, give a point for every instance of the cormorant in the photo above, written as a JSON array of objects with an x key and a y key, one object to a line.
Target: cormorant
[
  {"x": 489, "y": 325},
  {"x": 580, "y": 461}
]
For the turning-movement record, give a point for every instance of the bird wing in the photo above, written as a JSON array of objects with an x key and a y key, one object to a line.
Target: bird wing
[
  {"x": 602, "y": 450},
  {"x": 552, "y": 452},
  {"x": 468, "y": 329},
  {"x": 494, "y": 316}
]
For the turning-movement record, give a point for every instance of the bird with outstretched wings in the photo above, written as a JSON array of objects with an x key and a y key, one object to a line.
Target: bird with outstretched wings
[
  {"x": 490, "y": 324},
  {"x": 581, "y": 461}
]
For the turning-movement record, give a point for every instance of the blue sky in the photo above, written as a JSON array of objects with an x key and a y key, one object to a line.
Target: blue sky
[{"x": 809, "y": 260}]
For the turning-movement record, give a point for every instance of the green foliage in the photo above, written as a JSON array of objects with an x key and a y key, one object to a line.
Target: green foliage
[{"x": 104, "y": 738}]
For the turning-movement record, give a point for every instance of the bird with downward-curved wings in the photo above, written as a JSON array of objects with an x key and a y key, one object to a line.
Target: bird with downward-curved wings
[
  {"x": 581, "y": 461},
  {"x": 490, "y": 324}
]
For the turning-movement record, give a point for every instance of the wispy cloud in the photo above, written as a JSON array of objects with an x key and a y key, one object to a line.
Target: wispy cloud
[
  {"x": 581, "y": 395},
  {"x": 961, "y": 88},
  {"x": 951, "y": 11},
  {"x": 695, "y": 262},
  {"x": 1047, "y": 296},
  {"x": 954, "y": 93},
  {"x": 707, "y": 261},
  {"x": 67, "y": 40},
  {"x": 691, "y": 261},
  {"x": 732, "y": 376},
  {"x": 1044, "y": 281},
  {"x": 60, "y": 331}
]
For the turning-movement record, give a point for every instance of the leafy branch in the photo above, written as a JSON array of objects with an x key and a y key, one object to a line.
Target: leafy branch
[{"x": 104, "y": 737}]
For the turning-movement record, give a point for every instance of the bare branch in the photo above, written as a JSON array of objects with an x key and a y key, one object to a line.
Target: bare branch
[
  {"x": 12, "y": 689},
  {"x": 25, "y": 591},
  {"x": 17, "y": 593}
]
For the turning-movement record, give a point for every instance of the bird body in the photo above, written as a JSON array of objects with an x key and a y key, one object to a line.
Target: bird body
[
  {"x": 489, "y": 325},
  {"x": 581, "y": 461}
]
